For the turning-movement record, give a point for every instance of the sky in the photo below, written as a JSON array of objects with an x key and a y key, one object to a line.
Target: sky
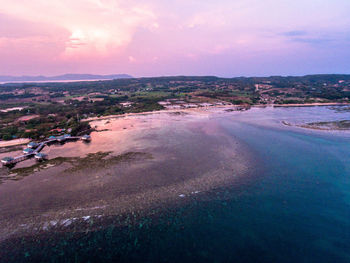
[{"x": 226, "y": 38}]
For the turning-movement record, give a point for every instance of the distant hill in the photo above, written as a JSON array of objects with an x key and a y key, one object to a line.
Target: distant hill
[{"x": 63, "y": 77}]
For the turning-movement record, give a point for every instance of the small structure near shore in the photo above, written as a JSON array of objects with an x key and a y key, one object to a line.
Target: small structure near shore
[
  {"x": 7, "y": 161},
  {"x": 28, "y": 151},
  {"x": 35, "y": 150},
  {"x": 33, "y": 145},
  {"x": 40, "y": 156},
  {"x": 86, "y": 138},
  {"x": 64, "y": 137}
]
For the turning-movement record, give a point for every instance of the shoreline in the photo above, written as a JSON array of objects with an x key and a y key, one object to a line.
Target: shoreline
[
  {"x": 23, "y": 141},
  {"x": 203, "y": 109}
]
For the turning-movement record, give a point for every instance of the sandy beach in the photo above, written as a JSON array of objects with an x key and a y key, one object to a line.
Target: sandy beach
[
  {"x": 14, "y": 142},
  {"x": 205, "y": 109}
]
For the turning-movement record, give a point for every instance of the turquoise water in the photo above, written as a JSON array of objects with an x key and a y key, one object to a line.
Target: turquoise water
[
  {"x": 301, "y": 198},
  {"x": 293, "y": 207}
]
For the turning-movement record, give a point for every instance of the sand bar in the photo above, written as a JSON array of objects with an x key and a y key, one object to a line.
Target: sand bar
[{"x": 14, "y": 142}]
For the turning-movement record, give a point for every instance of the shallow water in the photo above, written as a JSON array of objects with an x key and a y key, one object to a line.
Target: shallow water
[{"x": 292, "y": 205}]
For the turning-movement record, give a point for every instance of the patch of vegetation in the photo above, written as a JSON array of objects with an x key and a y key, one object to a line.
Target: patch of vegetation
[
  {"x": 340, "y": 109},
  {"x": 95, "y": 161},
  {"x": 329, "y": 125},
  {"x": 25, "y": 171},
  {"x": 64, "y": 106},
  {"x": 102, "y": 160}
]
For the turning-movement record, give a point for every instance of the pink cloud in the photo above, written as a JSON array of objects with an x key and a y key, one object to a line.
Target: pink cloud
[
  {"x": 154, "y": 37},
  {"x": 93, "y": 25}
]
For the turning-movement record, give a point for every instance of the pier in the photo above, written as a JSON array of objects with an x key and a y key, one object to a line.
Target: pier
[{"x": 37, "y": 148}]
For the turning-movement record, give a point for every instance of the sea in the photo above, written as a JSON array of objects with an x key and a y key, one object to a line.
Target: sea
[{"x": 292, "y": 206}]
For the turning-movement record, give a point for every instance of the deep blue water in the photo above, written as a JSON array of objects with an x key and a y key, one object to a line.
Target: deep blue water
[
  {"x": 294, "y": 207},
  {"x": 301, "y": 198}
]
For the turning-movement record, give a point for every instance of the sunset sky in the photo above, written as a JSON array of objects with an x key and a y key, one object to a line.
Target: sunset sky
[{"x": 172, "y": 37}]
